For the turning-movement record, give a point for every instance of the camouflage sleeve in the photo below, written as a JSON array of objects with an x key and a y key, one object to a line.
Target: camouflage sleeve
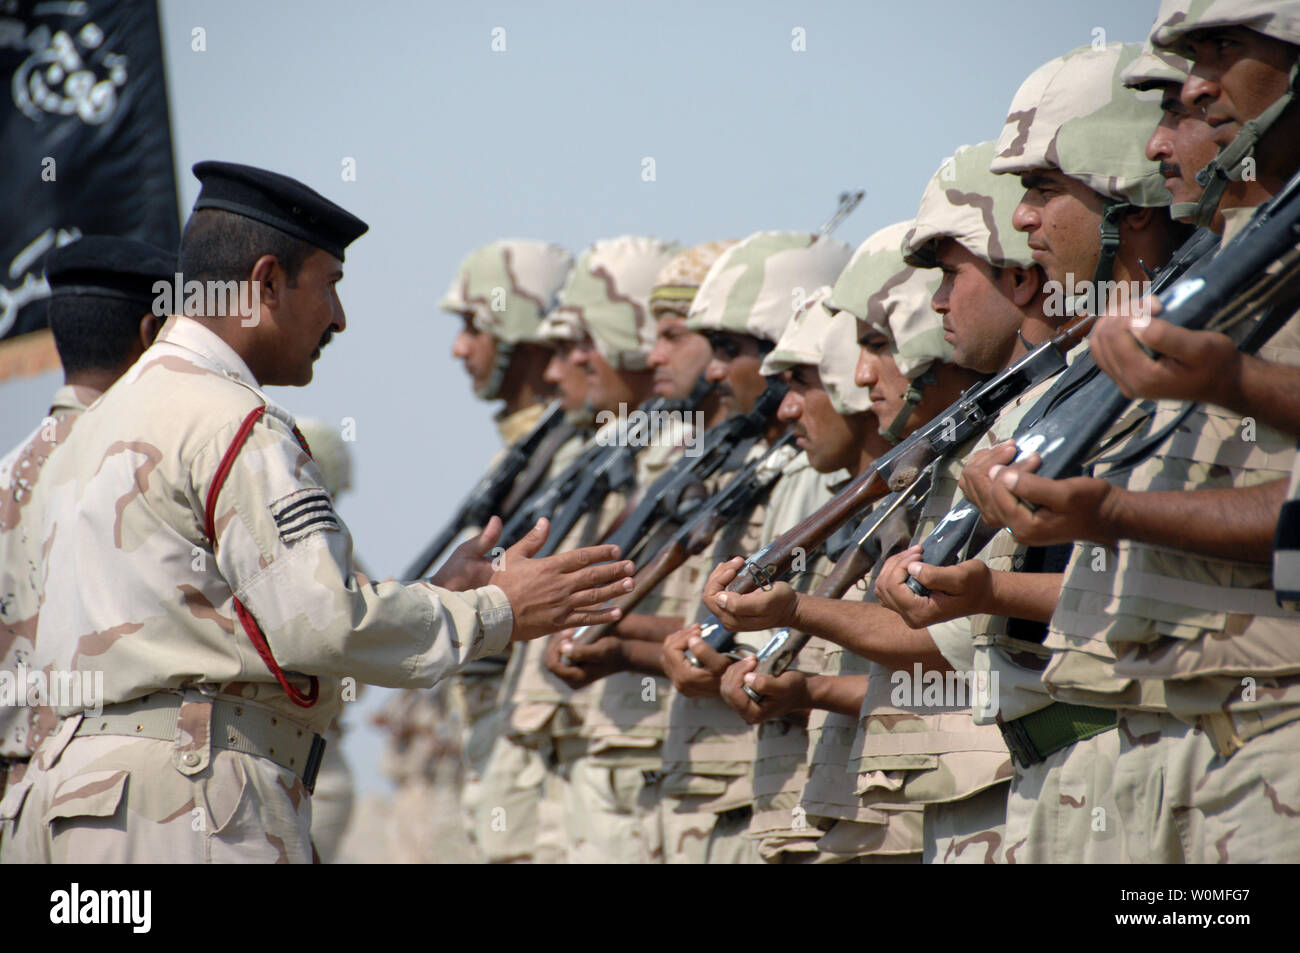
[{"x": 288, "y": 558}]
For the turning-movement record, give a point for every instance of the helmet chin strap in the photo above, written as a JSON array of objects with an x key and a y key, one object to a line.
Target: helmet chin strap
[
  {"x": 492, "y": 389},
  {"x": 915, "y": 391},
  {"x": 1110, "y": 216},
  {"x": 1229, "y": 164}
]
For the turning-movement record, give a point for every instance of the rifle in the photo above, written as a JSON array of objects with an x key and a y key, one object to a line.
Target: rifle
[
  {"x": 664, "y": 497},
  {"x": 486, "y": 497},
  {"x": 1216, "y": 293},
  {"x": 743, "y": 490},
  {"x": 853, "y": 564},
  {"x": 848, "y": 202},
  {"x": 967, "y": 417},
  {"x": 879, "y": 537},
  {"x": 607, "y": 450}
]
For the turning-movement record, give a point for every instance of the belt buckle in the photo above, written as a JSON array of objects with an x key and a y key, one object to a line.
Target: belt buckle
[
  {"x": 314, "y": 759},
  {"x": 1022, "y": 749}
]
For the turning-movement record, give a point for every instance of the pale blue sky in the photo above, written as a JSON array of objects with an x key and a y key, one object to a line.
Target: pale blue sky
[{"x": 456, "y": 145}]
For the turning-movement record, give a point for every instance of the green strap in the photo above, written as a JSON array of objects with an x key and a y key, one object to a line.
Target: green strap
[
  {"x": 1060, "y": 725},
  {"x": 1110, "y": 217}
]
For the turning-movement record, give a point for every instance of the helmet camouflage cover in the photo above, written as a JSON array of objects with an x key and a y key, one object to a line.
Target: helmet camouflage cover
[
  {"x": 1075, "y": 114},
  {"x": 1279, "y": 19},
  {"x": 508, "y": 286},
  {"x": 966, "y": 202},
  {"x": 1156, "y": 68},
  {"x": 828, "y": 342},
  {"x": 757, "y": 285},
  {"x": 882, "y": 291},
  {"x": 607, "y": 297}
]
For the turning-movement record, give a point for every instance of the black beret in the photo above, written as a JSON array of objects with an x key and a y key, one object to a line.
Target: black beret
[
  {"x": 109, "y": 266},
  {"x": 279, "y": 201}
]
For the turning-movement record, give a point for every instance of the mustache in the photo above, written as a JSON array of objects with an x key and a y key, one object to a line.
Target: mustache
[{"x": 1171, "y": 170}]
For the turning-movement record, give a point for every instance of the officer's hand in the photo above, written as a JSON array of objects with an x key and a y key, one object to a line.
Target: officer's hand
[
  {"x": 975, "y": 479},
  {"x": 1077, "y": 508},
  {"x": 585, "y": 663},
  {"x": 955, "y": 591},
  {"x": 692, "y": 681},
  {"x": 761, "y": 609},
  {"x": 783, "y": 694},
  {"x": 560, "y": 591},
  {"x": 467, "y": 567},
  {"x": 1189, "y": 365}
]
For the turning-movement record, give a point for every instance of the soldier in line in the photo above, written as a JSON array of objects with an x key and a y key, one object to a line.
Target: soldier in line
[
  {"x": 901, "y": 341},
  {"x": 501, "y": 291},
  {"x": 101, "y": 315},
  {"x": 196, "y": 561},
  {"x": 745, "y": 303}
]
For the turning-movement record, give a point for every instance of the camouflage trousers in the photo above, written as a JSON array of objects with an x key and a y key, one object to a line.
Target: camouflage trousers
[
  {"x": 969, "y": 831},
  {"x": 690, "y": 833},
  {"x": 331, "y": 802},
  {"x": 1063, "y": 811},
  {"x": 611, "y": 813},
  {"x": 1182, "y": 802},
  {"x": 115, "y": 799},
  {"x": 520, "y": 806},
  {"x": 474, "y": 698}
]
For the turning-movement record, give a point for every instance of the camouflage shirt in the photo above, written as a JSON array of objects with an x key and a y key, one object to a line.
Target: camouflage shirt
[
  {"x": 136, "y": 590},
  {"x": 22, "y": 727}
]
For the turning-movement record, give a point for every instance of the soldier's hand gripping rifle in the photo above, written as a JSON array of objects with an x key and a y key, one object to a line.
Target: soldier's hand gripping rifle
[
  {"x": 1258, "y": 271},
  {"x": 490, "y": 492},
  {"x": 966, "y": 418},
  {"x": 885, "y": 531},
  {"x": 745, "y": 489},
  {"x": 663, "y": 500}
]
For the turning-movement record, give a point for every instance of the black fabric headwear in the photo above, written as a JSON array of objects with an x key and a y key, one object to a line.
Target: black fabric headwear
[
  {"x": 279, "y": 201},
  {"x": 109, "y": 267}
]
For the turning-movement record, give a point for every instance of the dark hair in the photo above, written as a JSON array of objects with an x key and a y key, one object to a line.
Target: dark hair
[
  {"x": 223, "y": 246},
  {"x": 95, "y": 333}
]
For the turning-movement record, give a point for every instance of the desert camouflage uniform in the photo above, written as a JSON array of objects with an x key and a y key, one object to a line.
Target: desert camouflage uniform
[
  {"x": 604, "y": 297},
  {"x": 1087, "y": 114},
  {"x": 613, "y": 816},
  {"x": 23, "y": 727},
  {"x": 136, "y": 590},
  {"x": 755, "y": 288},
  {"x": 506, "y": 287},
  {"x": 935, "y": 754}
]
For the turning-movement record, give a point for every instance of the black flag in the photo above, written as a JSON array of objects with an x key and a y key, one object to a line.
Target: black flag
[{"x": 85, "y": 141}]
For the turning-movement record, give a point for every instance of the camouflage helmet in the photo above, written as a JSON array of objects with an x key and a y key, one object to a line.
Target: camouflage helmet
[
  {"x": 1156, "y": 68},
  {"x": 884, "y": 292},
  {"x": 676, "y": 285},
  {"x": 508, "y": 286},
  {"x": 966, "y": 202},
  {"x": 330, "y": 453},
  {"x": 607, "y": 297},
  {"x": 1074, "y": 114},
  {"x": 757, "y": 285},
  {"x": 828, "y": 342},
  {"x": 1278, "y": 19}
]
